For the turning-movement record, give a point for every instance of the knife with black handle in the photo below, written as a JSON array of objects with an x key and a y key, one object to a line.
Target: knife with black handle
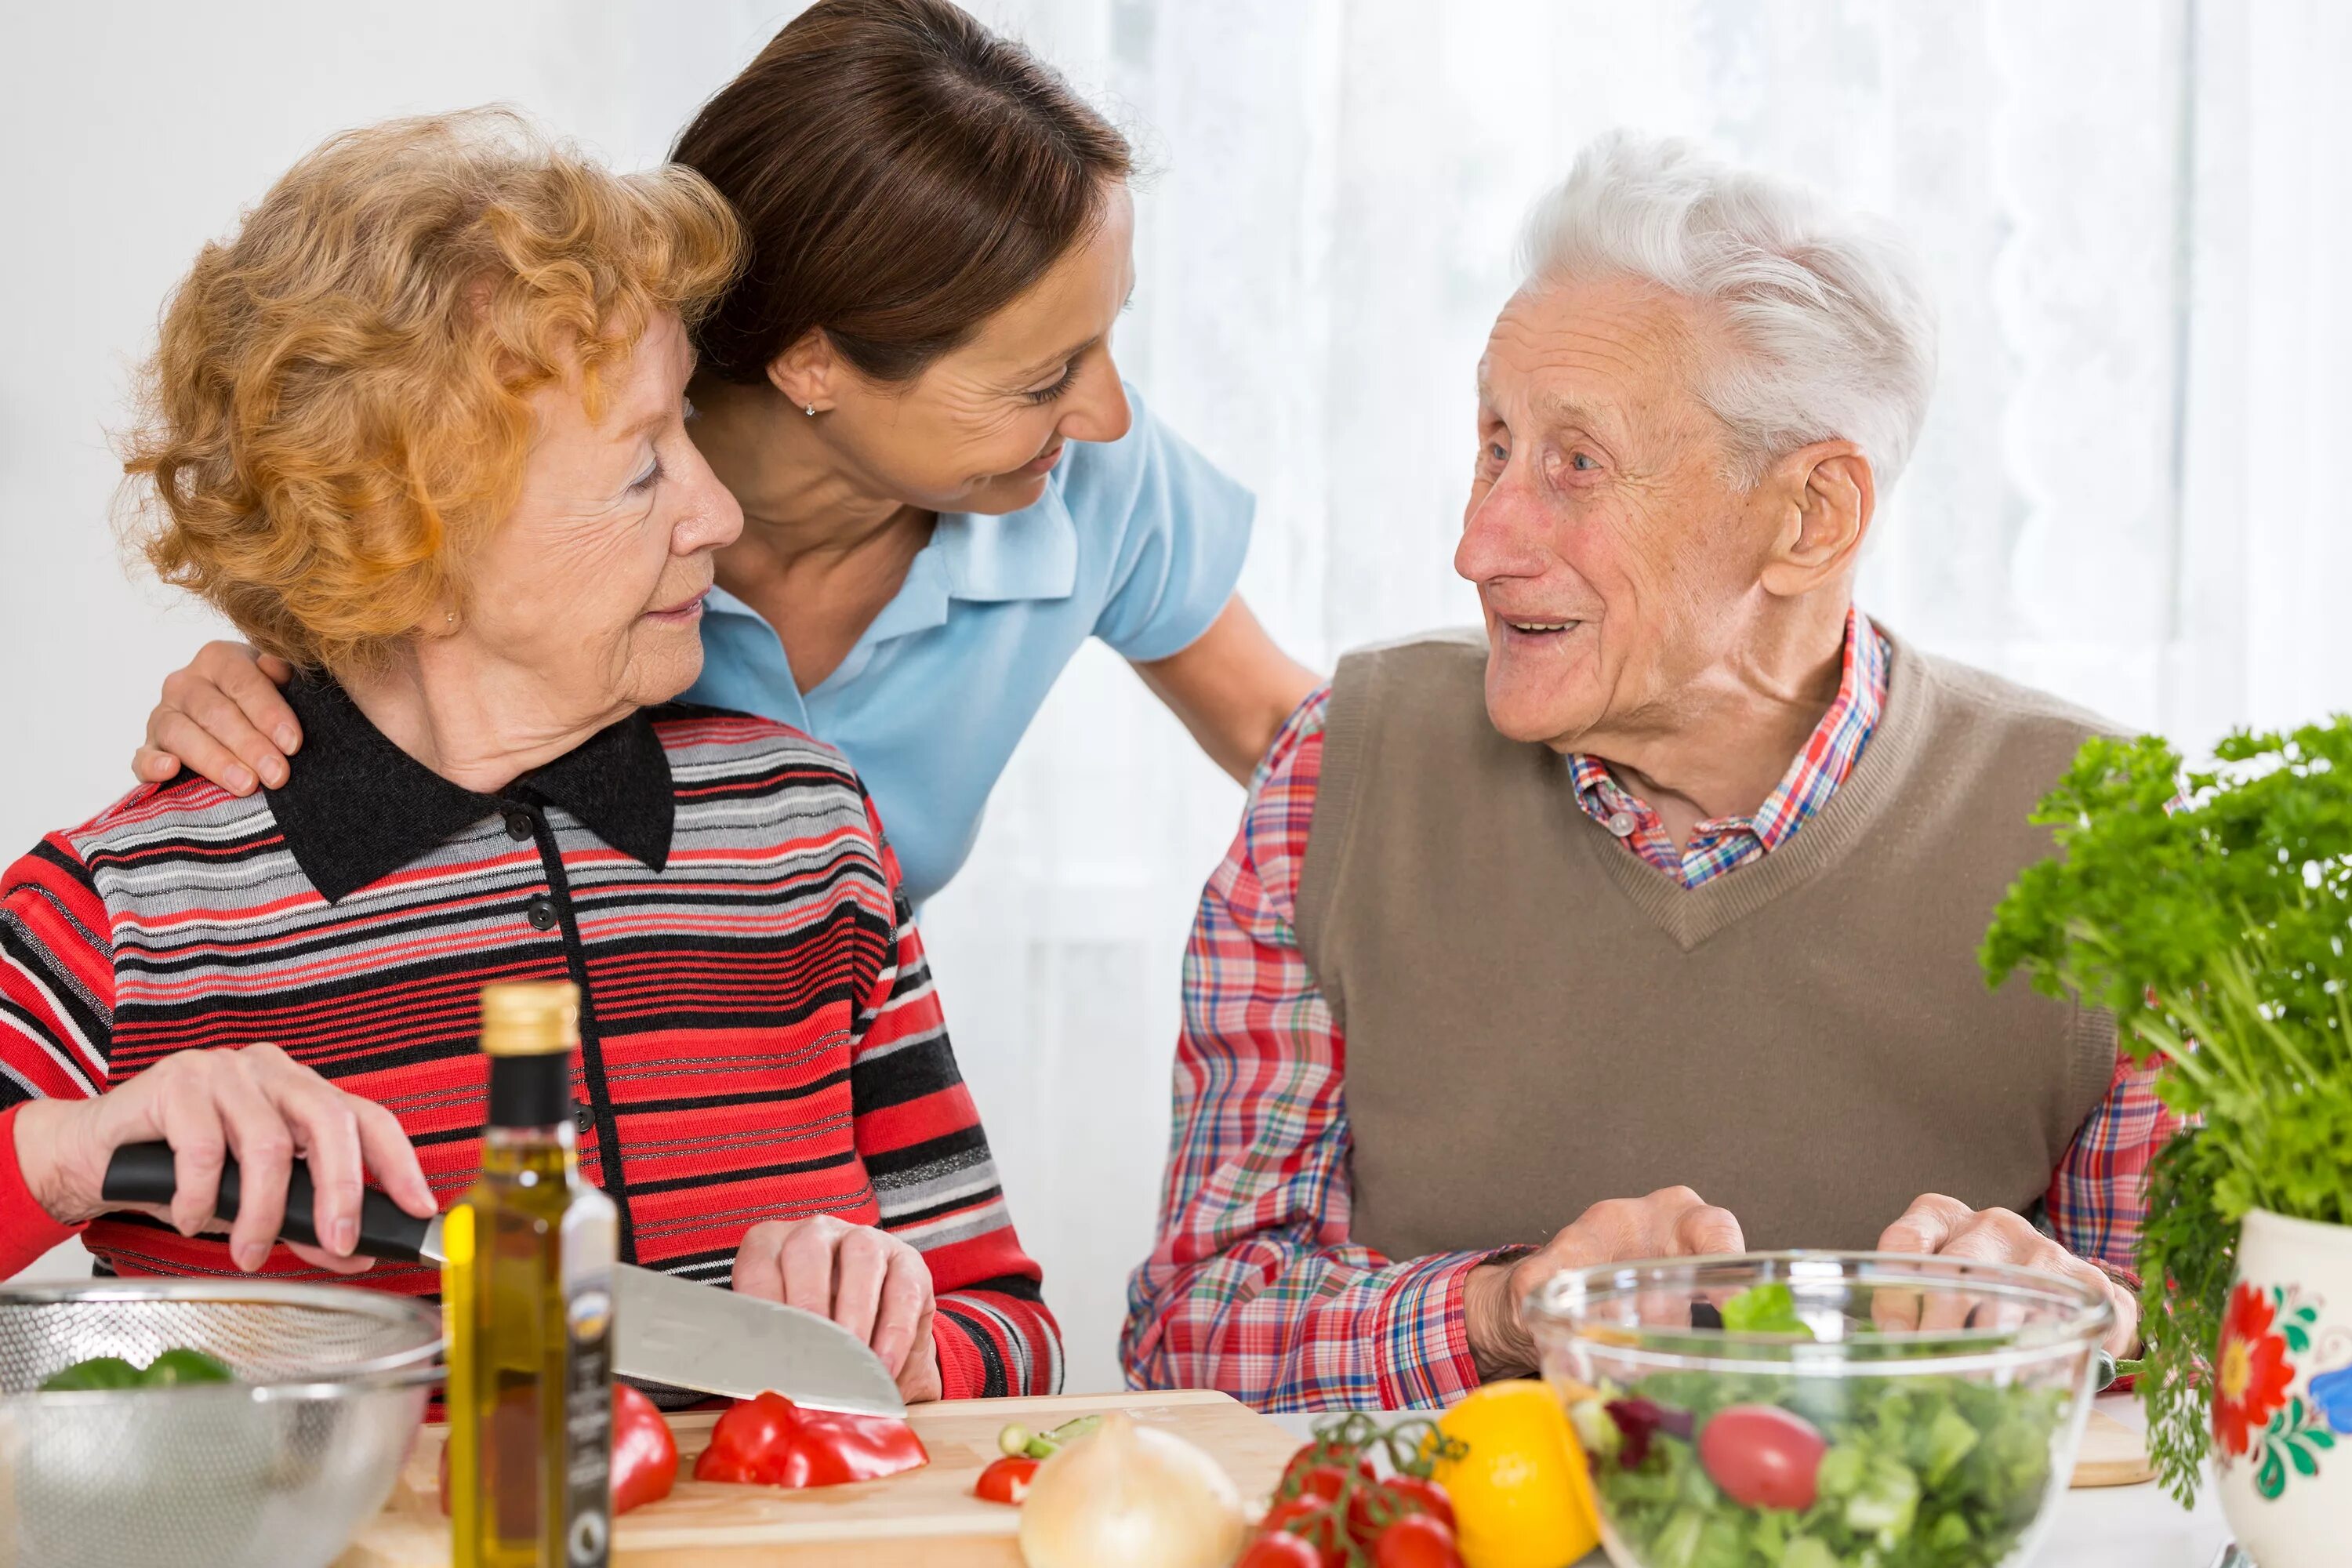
[{"x": 666, "y": 1330}]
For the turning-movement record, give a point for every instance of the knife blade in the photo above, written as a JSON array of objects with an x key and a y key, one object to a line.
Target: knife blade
[{"x": 666, "y": 1329}]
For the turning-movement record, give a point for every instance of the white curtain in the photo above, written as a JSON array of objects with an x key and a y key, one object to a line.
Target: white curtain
[{"x": 2135, "y": 211}]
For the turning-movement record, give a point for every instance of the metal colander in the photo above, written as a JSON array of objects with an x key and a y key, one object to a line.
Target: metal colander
[{"x": 278, "y": 1470}]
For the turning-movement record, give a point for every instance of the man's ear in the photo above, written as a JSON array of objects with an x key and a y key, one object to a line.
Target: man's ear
[
  {"x": 1828, "y": 498},
  {"x": 805, "y": 372}
]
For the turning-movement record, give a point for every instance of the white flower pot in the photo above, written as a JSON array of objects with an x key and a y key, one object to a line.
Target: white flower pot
[{"x": 2283, "y": 1395}]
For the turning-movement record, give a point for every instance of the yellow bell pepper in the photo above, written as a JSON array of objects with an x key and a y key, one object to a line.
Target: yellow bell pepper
[{"x": 1522, "y": 1494}]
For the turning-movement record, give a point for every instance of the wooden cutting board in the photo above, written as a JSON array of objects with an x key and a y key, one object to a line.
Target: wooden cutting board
[
  {"x": 929, "y": 1516},
  {"x": 2112, "y": 1455},
  {"x": 924, "y": 1517}
]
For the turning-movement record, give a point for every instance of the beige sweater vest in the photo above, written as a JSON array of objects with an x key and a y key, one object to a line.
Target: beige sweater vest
[{"x": 1537, "y": 1019}]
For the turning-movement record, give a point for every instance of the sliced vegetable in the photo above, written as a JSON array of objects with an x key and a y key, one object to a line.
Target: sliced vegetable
[
  {"x": 178, "y": 1366},
  {"x": 1006, "y": 1479},
  {"x": 1016, "y": 1439},
  {"x": 171, "y": 1368},
  {"x": 98, "y": 1371},
  {"x": 644, "y": 1451},
  {"x": 771, "y": 1441},
  {"x": 1134, "y": 1496},
  {"x": 1764, "y": 1310}
]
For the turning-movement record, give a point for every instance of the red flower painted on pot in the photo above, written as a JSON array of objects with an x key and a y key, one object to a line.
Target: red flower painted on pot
[{"x": 2250, "y": 1371}]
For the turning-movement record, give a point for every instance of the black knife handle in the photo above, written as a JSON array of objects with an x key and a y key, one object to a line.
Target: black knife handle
[{"x": 143, "y": 1173}]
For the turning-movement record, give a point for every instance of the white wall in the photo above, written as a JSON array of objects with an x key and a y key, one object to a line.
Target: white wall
[{"x": 129, "y": 134}]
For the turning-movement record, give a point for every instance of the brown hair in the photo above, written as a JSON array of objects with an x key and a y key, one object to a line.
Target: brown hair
[
  {"x": 902, "y": 174},
  {"x": 338, "y": 405}
]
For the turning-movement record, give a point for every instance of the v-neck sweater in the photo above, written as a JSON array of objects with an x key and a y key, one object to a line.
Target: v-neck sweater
[{"x": 1537, "y": 1020}]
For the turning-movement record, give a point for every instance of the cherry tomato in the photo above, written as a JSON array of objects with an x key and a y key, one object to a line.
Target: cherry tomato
[
  {"x": 1313, "y": 1459},
  {"x": 1324, "y": 1481},
  {"x": 1279, "y": 1549},
  {"x": 1006, "y": 1481},
  {"x": 1762, "y": 1455},
  {"x": 1416, "y": 1540},
  {"x": 1310, "y": 1519},
  {"x": 1402, "y": 1495}
]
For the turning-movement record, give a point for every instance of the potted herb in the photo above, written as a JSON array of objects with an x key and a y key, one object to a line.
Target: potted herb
[{"x": 2212, "y": 913}]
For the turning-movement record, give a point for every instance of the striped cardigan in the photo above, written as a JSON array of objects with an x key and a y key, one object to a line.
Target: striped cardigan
[{"x": 760, "y": 1038}]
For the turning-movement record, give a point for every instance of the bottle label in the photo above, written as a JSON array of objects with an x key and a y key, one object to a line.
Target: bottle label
[{"x": 591, "y": 1239}]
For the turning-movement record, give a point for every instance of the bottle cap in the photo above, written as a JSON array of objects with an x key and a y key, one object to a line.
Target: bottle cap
[{"x": 536, "y": 1020}]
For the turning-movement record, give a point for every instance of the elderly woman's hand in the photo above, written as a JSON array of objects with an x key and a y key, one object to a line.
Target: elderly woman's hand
[
  {"x": 222, "y": 717},
  {"x": 1947, "y": 1227},
  {"x": 867, "y": 1280},
  {"x": 257, "y": 1103}
]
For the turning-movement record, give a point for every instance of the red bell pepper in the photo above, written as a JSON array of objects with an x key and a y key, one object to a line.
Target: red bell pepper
[
  {"x": 644, "y": 1453},
  {"x": 1006, "y": 1479},
  {"x": 771, "y": 1441}
]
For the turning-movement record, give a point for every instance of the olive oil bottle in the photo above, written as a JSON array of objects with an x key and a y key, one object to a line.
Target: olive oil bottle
[{"x": 527, "y": 1292}]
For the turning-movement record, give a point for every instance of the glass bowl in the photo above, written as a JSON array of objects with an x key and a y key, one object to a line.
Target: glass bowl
[{"x": 1821, "y": 1409}]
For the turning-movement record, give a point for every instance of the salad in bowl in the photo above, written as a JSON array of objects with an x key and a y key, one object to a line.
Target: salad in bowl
[{"x": 1821, "y": 1409}]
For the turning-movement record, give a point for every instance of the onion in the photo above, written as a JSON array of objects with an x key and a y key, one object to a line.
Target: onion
[{"x": 1132, "y": 1496}]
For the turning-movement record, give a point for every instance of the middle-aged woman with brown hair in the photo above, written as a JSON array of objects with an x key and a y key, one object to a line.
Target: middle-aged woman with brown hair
[
  {"x": 946, "y": 488},
  {"x": 419, "y": 430}
]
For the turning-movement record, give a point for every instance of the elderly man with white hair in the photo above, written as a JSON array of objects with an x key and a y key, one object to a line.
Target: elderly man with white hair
[{"x": 1669, "y": 883}]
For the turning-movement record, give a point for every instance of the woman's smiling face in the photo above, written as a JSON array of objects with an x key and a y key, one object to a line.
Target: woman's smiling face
[
  {"x": 981, "y": 427},
  {"x": 593, "y": 586}
]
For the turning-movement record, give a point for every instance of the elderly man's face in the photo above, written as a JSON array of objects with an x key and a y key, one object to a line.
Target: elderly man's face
[{"x": 1616, "y": 560}]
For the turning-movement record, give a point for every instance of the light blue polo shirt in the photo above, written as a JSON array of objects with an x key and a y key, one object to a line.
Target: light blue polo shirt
[{"x": 1138, "y": 542}]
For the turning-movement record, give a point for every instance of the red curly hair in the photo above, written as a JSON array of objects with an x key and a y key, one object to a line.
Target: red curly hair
[{"x": 338, "y": 405}]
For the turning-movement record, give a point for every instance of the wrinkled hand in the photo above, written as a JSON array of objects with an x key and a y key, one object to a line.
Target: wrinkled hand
[
  {"x": 867, "y": 1280},
  {"x": 257, "y": 1103},
  {"x": 222, "y": 717},
  {"x": 1673, "y": 1222},
  {"x": 1947, "y": 1227}
]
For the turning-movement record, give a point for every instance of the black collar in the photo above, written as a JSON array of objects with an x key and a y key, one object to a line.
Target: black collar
[{"x": 358, "y": 808}]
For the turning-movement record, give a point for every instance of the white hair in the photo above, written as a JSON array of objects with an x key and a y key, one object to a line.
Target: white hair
[{"x": 1831, "y": 323}]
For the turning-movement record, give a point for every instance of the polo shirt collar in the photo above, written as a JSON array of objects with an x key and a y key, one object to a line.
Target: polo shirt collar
[
  {"x": 358, "y": 808},
  {"x": 1032, "y": 554},
  {"x": 1028, "y": 554}
]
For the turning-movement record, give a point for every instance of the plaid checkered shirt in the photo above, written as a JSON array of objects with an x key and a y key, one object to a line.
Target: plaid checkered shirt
[{"x": 1254, "y": 1286}]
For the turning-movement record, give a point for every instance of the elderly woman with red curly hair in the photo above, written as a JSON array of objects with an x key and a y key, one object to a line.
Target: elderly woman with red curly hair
[{"x": 419, "y": 428}]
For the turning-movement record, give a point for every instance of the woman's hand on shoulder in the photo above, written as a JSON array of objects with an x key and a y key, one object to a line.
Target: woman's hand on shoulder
[
  {"x": 867, "y": 1280},
  {"x": 223, "y": 717},
  {"x": 257, "y": 1103}
]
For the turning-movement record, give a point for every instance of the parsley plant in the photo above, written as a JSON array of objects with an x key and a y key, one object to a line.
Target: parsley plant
[{"x": 2212, "y": 920}]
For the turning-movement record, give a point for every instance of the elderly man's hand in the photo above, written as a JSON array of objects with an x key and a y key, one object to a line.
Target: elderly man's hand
[
  {"x": 1673, "y": 1222},
  {"x": 1947, "y": 1227}
]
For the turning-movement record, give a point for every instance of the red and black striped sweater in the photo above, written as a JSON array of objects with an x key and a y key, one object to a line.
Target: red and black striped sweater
[{"x": 760, "y": 1037}]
